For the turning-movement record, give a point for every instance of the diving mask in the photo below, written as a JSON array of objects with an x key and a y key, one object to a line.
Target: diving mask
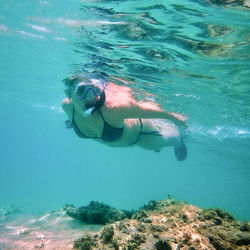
[{"x": 89, "y": 91}]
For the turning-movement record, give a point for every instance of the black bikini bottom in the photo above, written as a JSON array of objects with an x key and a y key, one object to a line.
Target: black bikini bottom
[{"x": 144, "y": 133}]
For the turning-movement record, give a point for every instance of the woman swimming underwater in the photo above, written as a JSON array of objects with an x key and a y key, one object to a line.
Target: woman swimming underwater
[{"x": 109, "y": 113}]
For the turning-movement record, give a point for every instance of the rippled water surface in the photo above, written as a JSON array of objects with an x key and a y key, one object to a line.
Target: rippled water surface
[{"x": 190, "y": 56}]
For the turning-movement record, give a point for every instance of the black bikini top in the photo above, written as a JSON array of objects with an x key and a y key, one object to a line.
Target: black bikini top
[{"x": 109, "y": 133}]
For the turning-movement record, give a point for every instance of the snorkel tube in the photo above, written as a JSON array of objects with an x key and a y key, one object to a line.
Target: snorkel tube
[{"x": 92, "y": 108}]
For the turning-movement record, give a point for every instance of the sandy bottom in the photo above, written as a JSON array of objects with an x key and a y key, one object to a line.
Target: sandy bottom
[{"x": 54, "y": 230}]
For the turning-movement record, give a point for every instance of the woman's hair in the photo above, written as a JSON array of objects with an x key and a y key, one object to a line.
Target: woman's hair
[
  {"x": 69, "y": 82},
  {"x": 72, "y": 80}
]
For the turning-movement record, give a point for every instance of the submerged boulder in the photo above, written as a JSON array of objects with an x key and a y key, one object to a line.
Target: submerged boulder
[
  {"x": 97, "y": 213},
  {"x": 167, "y": 224}
]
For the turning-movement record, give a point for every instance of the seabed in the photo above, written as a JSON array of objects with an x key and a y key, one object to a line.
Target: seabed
[{"x": 166, "y": 224}]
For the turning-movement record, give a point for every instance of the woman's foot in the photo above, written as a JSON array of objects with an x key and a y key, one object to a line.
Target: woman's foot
[{"x": 180, "y": 152}]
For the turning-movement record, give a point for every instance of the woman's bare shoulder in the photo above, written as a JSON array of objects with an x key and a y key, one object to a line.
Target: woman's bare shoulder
[{"x": 118, "y": 96}]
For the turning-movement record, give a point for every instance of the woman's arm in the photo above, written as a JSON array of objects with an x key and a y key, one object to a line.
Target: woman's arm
[
  {"x": 148, "y": 110},
  {"x": 67, "y": 106}
]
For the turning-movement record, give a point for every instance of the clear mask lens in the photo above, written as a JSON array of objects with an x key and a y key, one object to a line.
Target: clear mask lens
[
  {"x": 81, "y": 91},
  {"x": 88, "y": 91}
]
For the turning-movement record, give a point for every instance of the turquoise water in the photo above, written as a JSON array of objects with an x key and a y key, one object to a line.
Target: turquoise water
[{"x": 191, "y": 56}]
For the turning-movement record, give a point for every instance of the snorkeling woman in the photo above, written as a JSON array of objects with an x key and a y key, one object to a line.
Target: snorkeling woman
[{"x": 109, "y": 113}]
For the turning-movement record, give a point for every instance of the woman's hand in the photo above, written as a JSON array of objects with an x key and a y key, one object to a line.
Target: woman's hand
[{"x": 179, "y": 119}]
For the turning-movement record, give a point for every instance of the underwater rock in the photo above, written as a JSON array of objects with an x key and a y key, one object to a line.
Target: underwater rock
[
  {"x": 87, "y": 242},
  {"x": 162, "y": 245},
  {"x": 245, "y": 227},
  {"x": 97, "y": 213},
  {"x": 107, "y": 233},
  {"x": 170, "y": 224}
]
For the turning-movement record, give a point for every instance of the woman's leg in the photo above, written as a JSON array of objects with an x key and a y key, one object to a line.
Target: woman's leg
[{"x": 157, "y": 134}]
